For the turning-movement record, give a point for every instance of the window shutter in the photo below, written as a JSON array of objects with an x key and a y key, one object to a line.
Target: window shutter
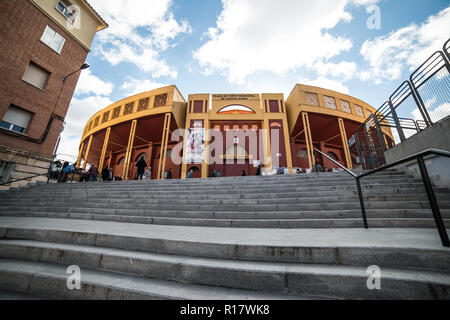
[
  {"x": 18, "y": 117},
  {"x": 36, "y": 76}
]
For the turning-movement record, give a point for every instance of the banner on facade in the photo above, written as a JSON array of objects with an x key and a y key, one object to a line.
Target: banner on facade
[{"x": 196, "y": 145}]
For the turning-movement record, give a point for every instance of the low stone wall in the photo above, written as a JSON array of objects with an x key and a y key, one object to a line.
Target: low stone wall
[
  {"x": 26, "y": 165},
  {"x": 436, "y": 137}
]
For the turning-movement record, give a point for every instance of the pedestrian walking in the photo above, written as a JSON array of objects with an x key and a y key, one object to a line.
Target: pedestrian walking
[{"x": 141, "y": 164}]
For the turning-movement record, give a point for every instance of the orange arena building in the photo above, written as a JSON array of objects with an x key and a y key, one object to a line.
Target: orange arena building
[{"x": 226, "y": 133}]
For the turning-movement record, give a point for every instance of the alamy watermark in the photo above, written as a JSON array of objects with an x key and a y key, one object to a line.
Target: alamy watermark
[
  {"x": 374, "y": 21},
  {"x": 74, "y": 279},
  {"x": 374, "y": 280}
]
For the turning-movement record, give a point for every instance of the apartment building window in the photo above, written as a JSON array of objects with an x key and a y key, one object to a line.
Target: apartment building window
[
  {"x": 6, "y": 171},
  {"x": 16, "y": 119},
  {"x": 53, "y": 39},
  {"x": 36, "y": 76},
  {"x": 63, "y": 7}
]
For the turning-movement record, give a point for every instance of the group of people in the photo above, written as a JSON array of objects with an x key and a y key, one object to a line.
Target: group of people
[
  {"x": 107, "y": 174},
  {"x": 143, "y": 171}
]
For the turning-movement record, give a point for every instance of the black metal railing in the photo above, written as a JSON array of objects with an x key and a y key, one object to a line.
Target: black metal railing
[
  {"x": 53, "y": 174},
  {"x": 419, "y": 158},
  {"x": 415, "y": 105}
]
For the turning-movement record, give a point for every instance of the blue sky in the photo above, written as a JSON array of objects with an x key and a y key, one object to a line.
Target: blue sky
[{"x": 253, "y": 46}]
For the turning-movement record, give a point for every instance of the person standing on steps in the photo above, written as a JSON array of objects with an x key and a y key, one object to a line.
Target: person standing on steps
[
  {"x": 189, "y": 175},
  {"x": 170, "y": 174},
  {"x": 93, "y": 171},
  {"x": 148, "y": 173},
  {"x": 105, "y": 174},
  {"x": 318, "y": 168},
  {"x": 141, "y": 164},
  {"x": 243, "y": 174},
  {"x": 258, "y": 172}
]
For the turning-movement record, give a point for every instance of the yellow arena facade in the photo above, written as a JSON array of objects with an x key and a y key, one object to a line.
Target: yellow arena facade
[{"x": 224, "y": 134}]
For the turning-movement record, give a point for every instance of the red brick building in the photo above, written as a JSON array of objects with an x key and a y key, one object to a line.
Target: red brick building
[{"x": 41, "y": 42}]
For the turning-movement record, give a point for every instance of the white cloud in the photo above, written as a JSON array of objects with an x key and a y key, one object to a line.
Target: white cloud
[
  {"x": 134, "y": 86},
  {"x": 326, "y": 83},
  {"x": 265, "y": 35},
  {"x": 410, "y": 46},
  {"x": 88, "y": 83},
  {"x": 364, "y": 2},
  {"x": 436, "y": 113},
  {"x": 140, "y": 30},
  {"x": 343, "y": 70},
  {"x": 80, "y": 111}
]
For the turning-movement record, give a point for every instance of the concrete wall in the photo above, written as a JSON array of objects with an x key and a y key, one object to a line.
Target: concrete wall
[
  {"x": 83, "y": 30},
  {"x": 436, "y": 137},
  {"x": 26, "y": 165}
]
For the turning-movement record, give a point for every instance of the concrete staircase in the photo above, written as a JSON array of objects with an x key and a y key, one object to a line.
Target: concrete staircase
[{"x": 279, "y": 237}]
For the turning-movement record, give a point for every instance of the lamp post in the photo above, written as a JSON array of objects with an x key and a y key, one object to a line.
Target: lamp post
[{"x": 83, "y": 67}]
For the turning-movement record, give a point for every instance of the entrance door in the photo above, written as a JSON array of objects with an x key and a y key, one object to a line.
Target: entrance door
[{"x": 235, "y": 169}]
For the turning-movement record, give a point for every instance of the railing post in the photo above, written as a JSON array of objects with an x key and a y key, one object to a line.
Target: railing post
[
  {"x": 361, "y": 201},
  {"x": 397, "y": 123},
  {"x": 433, "y": 202},
  {"x": 420, "y": 105}
]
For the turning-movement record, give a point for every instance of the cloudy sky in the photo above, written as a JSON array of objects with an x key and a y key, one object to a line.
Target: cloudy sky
[{"x": 254, "y": 46}]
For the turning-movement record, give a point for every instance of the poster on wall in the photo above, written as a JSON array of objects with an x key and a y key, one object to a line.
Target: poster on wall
[{"x": 196, "y": 144}]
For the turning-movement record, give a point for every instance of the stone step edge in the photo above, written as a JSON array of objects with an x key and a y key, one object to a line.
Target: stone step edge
[
  {"x": 300, "y": 254},
  {"x": 101, "y": 285},
  {"x": 110, "y": 260}
]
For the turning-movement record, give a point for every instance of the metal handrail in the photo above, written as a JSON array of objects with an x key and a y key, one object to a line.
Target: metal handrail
[
  {"x": 19, "y": 180},
  {"x": 358, "y": 185},
  {"x": 419, "y": 157}
]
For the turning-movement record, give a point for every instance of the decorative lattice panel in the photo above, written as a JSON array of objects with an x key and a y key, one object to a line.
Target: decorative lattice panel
[
  {"x": 106, "y": 116},
  {"x": 160, "y": 100},
  {"x": 359, "y": 111},
  {"x": 143, "y": 104},
  {"x": 330, "y": 102},
  {"x": 345, "y": 105},
  {"x": 116, "y": 112},
  {"x": 312, "y": 99},
  {"x": 129, "y": 107}
]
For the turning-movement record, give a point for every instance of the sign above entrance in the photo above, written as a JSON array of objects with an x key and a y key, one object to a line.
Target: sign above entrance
[{"x": 235, "y": 97}]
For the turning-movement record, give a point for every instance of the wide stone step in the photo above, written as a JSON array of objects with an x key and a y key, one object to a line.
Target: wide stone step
[
  {"x": 254, "y": 179},
  {"x": 148, "y": 186},
  {"x": 50, "y": 280},
  {"x": 143, "y": 216},
  {"x": 277, "y": 278},
  {"x": 272, "y": 223},
  {"x": 353, "y": 204},
  {"x": 132, "y": 203},
  {"x": 150, "y": 196},
  {"x": 390, "y": 248},
  {"x": 242, "y": 194},
  {"x": 281, "y": 191}
]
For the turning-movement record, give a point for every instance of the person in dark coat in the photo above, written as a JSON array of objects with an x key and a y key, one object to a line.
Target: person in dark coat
[
  {"x": 258, "y": 172},
  {"x": 170, "y": 174},
  {"x": 141, "y": 165},
  {"x": 93, "y": 171},
  {"x": 105, "y": 174},
  {"x": 243, "y": 174}
]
